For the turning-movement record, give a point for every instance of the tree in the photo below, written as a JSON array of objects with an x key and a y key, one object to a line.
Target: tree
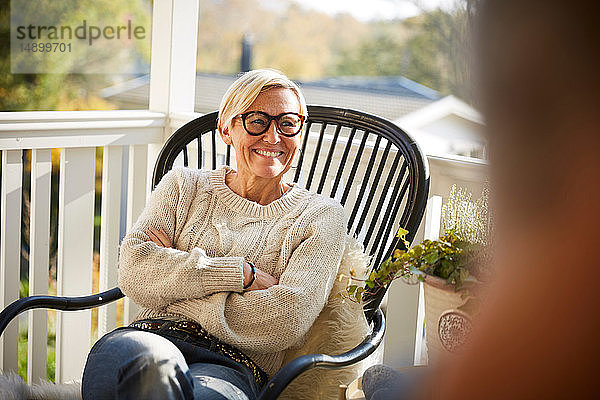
[
  {"x": 302, "y": 43},
  {"x": 62, "y": 91},
  {"x": 445, "y": 43},
  {"x": 378, "y": 54},
  {"x": 434, "y": 49}
]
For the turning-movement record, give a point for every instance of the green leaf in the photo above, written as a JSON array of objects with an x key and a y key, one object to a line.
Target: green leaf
[
  {"x": 431, "y": 258},
  {"x": 416, "y": 251},
  {"x": 446, "y": 269},
  {"x": 401, "y": 232},
  {"x": 398, "y": 253},
  {"x": 448, "y": 265}
]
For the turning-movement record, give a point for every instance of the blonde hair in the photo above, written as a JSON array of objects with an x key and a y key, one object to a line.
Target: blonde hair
[{"x": 242, "y": 93}]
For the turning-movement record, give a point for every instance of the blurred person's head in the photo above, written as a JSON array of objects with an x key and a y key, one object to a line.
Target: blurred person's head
[
  {"x": 540, "y": 91},
  {"x": 539, "y": 64}
]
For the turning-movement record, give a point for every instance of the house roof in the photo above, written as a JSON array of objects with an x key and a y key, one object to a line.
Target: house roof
[
  {"x": 447, "y": 126},
  {"x": 439, "y": 109},
  {"x": 390, "y": 85},
  {"x": 388, "y": 97}
]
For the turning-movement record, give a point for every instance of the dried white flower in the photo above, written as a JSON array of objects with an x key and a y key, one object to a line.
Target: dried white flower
[{"x": 470, "y": 219}]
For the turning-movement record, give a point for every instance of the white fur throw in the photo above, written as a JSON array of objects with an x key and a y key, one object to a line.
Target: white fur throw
[
  {"x": 12, "y": 387},
  {"x": 339, "y": 328}
]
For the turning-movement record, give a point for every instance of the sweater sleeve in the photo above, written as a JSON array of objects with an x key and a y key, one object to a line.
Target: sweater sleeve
[
  {"x": 274, "y": 319},
  {"x": 152, "y": 275}
]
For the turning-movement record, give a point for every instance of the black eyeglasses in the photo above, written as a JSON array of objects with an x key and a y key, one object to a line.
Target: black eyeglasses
[{"x": 257, "y": 122}]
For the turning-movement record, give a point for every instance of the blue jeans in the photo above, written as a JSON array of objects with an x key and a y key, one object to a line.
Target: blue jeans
[{"x": 128, "y": 363}]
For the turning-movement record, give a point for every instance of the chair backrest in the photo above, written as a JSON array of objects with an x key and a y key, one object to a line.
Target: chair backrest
[{"x": 376, "y": 171}]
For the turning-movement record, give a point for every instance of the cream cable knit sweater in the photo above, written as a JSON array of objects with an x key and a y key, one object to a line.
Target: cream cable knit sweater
[{"x": 298, "y": 239}]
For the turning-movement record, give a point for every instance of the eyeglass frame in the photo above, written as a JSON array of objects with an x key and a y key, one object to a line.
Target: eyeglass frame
[{"x": 271, "y": 118}]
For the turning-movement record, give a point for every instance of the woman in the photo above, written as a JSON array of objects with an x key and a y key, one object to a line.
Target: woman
[{"x": 231, "y": 267}]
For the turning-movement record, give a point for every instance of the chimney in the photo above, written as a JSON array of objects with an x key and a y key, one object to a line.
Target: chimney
[{"x": 246, "y": 59}]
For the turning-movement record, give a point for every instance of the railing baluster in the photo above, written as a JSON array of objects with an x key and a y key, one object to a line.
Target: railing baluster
[
  {"x": 355, "y": 164},
  {"x": 315, "y": 157},
  {"x": 10, "y": 250},
  {"x": 302, "y": 151},
  {"x": 109, "y": 233},
  {"x": 374, "y": 186},
  {"x": 385, "y": 223},
  {"x": 394, "y": 211},
  {"x": 192, "y": 154},
  {"x": 325, "y": 169},
  {"x": 39, "y": 245},
  {"x": 74, "y": 275},
  {"x": 363, "y": 186},
  {"x": 382, "y": 199},
  {"x": 340, "y": 171},
  {"x": 136, "y": 200}
]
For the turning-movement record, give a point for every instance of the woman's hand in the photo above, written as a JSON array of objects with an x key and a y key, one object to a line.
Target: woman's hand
[
  {"x": 159, "y": 237},
  {"x": 262, "y": 280}
]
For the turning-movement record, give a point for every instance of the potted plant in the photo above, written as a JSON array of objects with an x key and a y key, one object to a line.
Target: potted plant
[{"x": 452, "y": 268}]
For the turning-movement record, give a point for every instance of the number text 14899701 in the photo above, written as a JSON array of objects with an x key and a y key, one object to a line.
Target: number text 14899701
[{"x": 46, "y": 47}]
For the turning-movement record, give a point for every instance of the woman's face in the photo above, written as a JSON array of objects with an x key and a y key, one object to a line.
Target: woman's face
[{"x": 270, "y": 154}]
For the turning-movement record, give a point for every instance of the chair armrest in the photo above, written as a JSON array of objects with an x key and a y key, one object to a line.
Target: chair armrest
[
  {"x": 57, "y": 303},
  {"x": 297, "y": 366},
  {"x": 272, "y": 389}
]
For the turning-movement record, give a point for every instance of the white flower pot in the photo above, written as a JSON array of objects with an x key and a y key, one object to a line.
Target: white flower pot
[{"x": 446, "y": 327}]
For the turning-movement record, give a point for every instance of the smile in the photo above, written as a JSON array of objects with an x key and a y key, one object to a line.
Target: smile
[{"x": 269, "y": 154}]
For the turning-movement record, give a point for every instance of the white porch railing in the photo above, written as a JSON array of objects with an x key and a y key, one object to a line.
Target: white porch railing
[{"x": 77, "y": 134}]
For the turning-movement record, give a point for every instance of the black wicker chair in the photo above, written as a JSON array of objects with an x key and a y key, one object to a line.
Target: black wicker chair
[{"x": 373, "y": 168}]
